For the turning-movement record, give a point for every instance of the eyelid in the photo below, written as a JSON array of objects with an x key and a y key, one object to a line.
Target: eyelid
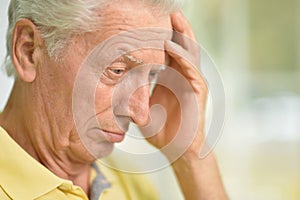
[
  {"x": 118, "y": 63},
  {"x": 110, "y": 71},
  {"x": 118, "y": 66}
]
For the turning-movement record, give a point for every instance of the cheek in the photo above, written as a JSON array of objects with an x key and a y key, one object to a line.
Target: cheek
[
  {"x": 70, "y": 70},
  {"x": 103, "y": 98},
  {"x": 73, "y": 56},
  {"x": 54, "y": 80}
]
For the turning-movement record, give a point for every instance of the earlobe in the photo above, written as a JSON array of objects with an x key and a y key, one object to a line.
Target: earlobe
[{"x": 26, "y": 42}]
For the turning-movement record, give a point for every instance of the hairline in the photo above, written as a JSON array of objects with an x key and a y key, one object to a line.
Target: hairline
[{"x": 57, "y": 40}]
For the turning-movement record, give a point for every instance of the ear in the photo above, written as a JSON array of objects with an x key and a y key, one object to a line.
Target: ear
[{"x": 26, "y": 42}]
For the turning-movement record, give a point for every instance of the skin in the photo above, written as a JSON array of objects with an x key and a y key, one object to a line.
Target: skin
[{"x": 44, "y": 88}]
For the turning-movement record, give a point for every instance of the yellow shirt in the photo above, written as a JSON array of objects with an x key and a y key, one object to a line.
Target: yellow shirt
[{"x": 23, "y": 178}]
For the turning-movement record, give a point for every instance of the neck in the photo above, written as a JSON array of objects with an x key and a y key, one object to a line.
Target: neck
[{"x": 31, "y": 124}]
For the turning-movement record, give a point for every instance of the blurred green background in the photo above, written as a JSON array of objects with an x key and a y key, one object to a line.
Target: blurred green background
[{"x": 256, "y": 46}]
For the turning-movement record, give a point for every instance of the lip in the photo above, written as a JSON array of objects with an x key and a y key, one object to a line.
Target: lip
[{"x": 113, "y": 137}]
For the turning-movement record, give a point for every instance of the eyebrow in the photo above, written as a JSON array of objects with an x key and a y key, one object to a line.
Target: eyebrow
[{"x": 133, "y": 59}]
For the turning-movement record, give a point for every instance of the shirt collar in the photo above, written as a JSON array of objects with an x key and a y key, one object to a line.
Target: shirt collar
[{"x": 22, "y": 177}]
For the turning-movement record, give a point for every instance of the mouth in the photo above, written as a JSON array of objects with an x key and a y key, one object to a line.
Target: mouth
[
  {"x": 113, "y": 137},
  {"x": 98, "y": 134}
]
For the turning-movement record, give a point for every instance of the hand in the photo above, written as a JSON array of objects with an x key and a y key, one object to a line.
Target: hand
[
  {"x": 198, "y": 178},
  {"x": 183, "y": 129}
]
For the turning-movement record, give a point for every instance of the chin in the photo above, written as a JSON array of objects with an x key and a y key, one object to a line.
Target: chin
[{"x": 100, "y": 150}]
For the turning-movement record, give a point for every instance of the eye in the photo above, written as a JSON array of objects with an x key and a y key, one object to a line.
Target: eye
[
  {"x": 154, "y": 73},
  {"x": 114, "y": 73},
  {"x": 118, "y": 71}
]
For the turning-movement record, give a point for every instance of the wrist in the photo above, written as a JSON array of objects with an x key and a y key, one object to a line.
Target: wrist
[
  {"x": 191, "y": 161},
  {"x": 199, "y": 178}
]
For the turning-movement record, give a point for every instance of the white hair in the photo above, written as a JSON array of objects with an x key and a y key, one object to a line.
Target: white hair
[{"x": 58, "y": 20}]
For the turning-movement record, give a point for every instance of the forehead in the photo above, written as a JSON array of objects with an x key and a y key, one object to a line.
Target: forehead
[
  {"x": 121, "y": 16},
  {"x": 125, "y": 15},
  {"x": 115, "y": 19},
  {"x": 134, "y": 12}
]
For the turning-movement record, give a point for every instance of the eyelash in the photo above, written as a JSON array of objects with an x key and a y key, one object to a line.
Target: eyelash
[
  {"x": 153, "y": 75},
  {"x": 116, "y": 71},
  {"x": 118, "y": 68},
  {"x": 113, "y": 74}
]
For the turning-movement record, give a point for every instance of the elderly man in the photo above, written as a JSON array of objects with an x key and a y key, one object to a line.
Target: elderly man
[{"x": 49, "y": 147}]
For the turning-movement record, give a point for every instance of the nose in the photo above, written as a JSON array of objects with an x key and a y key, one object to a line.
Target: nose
[{"x": 139, "y": 106}]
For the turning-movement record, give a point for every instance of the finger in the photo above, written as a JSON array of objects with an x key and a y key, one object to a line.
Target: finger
[
  {"x": 187, "y": 43},
  {"x": 176, "y": 22},
  {"x": 181, "y": 25},
  {"x": 187, "y": 68},
  {"x": 179, "y": 52},
  {"x": 183, "y": 34}
]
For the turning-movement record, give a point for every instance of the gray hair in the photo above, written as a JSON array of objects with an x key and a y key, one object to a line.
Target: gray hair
[{"x": 58, "y": 20}]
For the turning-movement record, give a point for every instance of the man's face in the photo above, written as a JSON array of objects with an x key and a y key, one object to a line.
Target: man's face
[{"x": 107, "y": 99}]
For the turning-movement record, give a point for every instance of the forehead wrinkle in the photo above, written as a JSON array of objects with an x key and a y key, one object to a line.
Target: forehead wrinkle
[
  {"x": 123, "y": 21},
  {"x": 127, "y": 16}
]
